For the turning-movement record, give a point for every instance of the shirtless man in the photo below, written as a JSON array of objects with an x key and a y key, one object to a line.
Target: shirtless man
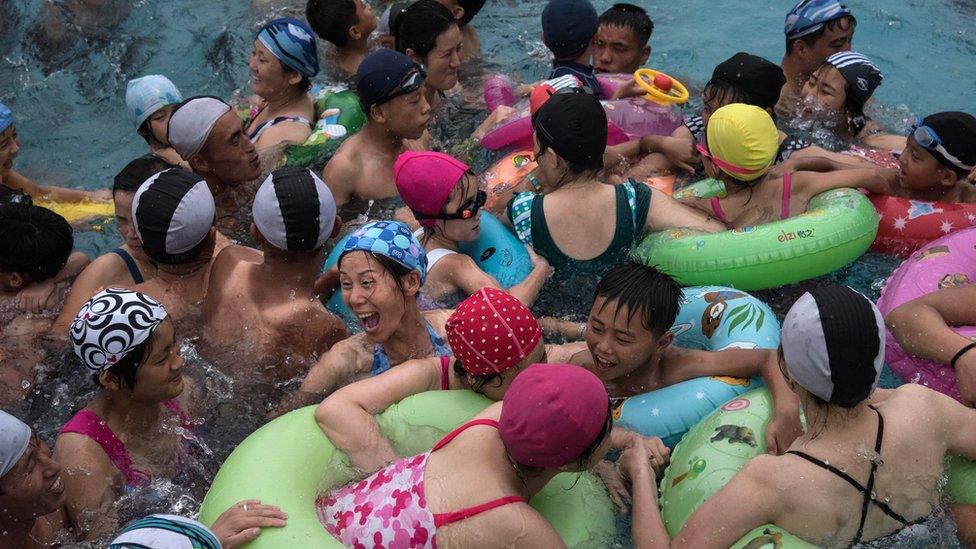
[
  {"x": 209, "y": 135},
  {"x": 31, "y": 492},
  {"x": 815, "y": 30},
  {"x": 390, "y": 88},
  {"x": 260, "y": 305},
  {"x": 173, "y": 214}
]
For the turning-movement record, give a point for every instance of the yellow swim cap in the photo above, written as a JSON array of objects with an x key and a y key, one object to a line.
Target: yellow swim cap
[{"x": 742, "y": 140}]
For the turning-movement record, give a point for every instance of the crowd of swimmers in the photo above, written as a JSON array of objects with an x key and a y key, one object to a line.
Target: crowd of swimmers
[{"x": 221, "y": 245}]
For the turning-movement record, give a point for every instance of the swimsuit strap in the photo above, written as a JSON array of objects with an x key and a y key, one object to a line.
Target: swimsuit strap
[
  {"x": 173, "y": 406},
  {"x": 717, "y": 209},
  {"x": 256, "y": 134},
  {"x": 784, "y": 208},
  {"x": 445, "y": 373},
  {"x": 88, "y": 424},
  {"x": 520, "y": 214},
  {"x": 381, "y": 362},
  {"x": 632, "y": 201},
  {"x": 453, "y": 434},
  {"x": 440, "y": 348},
  {"x": 130, "y": 263},
  {"x": 866, "y": 491},
  {"x": 443, "y": 519}
]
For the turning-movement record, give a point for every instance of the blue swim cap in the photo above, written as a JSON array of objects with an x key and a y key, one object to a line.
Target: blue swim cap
[
  {"x": 6, "y": 118},
  {"x": 809, "y": 16},
  {"x": 292, "y": 42},
  {"x": 568, "y": 26},
  {"x": 391, "y": 239},
  {"x": 383, "y": 75},
  {"x": 148, "y": 94}
]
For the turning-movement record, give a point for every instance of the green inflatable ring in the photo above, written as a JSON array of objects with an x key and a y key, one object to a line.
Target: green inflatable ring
[
  {"x": 718, "y": 446},
  {"x": 283, "y": 463},
  {"x": 837, "y": 228}
]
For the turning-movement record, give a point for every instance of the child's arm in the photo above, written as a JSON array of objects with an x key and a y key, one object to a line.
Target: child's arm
[
  {"x": 17, "y": 181},
  {"x": 875, "y": 180},
  {"x": 42, "y": 296},
  {"x": 667, "y": 213},
  {"x": 815, "y": 159}
]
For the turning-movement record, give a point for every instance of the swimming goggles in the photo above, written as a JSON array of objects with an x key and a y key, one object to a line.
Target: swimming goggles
[
  {"x": 410, "y": 83},
  {"x": 467, "y": 211},
  {"x": 928, "y": 139},
  {"x": 725, "y": 166}
]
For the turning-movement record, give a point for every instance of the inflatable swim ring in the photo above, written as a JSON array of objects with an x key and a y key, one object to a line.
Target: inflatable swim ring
[
  {"x": 497, "y": 251},
  {"x": 715, "y": 449},
  {"x": 626, "y": 119},
  {"x": 78, "y": 211},
  {"x": 338, "y": 115},
  {"x": 283, "y": 463},
  {"x": 836, "y": 229},
  {"x": 713, "y": 318},
  {"x": 907, "y": 225},
  {"x": 949, "y": 261}
]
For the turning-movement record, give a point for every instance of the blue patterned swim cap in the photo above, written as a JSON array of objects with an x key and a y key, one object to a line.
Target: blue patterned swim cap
[
  {"x": 391, "y": 239},
  {"x": 293, "y": 43},
  {"x": 6, "y": 118},
  {"x": 809, "y": 16},
  {"x": 165, "y": 532},
  {"x": 148, "y": 94}
]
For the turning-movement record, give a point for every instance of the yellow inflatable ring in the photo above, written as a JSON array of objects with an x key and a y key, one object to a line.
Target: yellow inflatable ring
[{"x": 675, "y": 92}]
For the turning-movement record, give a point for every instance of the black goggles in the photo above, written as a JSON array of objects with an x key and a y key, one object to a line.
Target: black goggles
[{"x": 466, "y": 211}]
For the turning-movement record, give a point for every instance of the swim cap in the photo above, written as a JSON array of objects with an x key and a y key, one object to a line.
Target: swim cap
[
  {"x": 384, "y": 75},
  {"x": 957, "y": 131},
  {"x": 568, "y": 26},
  {"x": 390, "y": 239},
  {"x": 758, "y": 78},
  {"x": 291, "y": 42},
  {"x": 833, "y": 344},
  {"x": 294, "y": 209},
  {"x": 552, "y": 413},
  {"x": 743, "y": 136},
  {"x": 491, "y": 331},
  {"x": 146, "y": 95},
  {"x": 111, "y": 325},
  {"x": 172, "y": 212},
  {"x": 191, "y": 123},
  {"x": 6, "y": 118},
  {"x": 862, "y": 77},
  {"x": 426, "y": 179},
  {"x": 165, "y": 532},
  {"x": 14, "y": 437},
  {"x": 809, "y": 16},
  {"x": 574, "y": 125}
]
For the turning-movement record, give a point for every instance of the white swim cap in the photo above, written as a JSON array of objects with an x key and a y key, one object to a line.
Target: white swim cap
[
  {"x": 14, "y": 437},
  {"x": 191, "y": 123},
  {"x": 294, "y": 209},
  {"x": 172, "y": 212}
]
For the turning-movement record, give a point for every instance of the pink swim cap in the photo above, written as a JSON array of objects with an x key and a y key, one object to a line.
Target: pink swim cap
[
  {"x": 552, "y": 413},
  {"x": 491, "y": 331},
  {"x": 425, "y": 181}
]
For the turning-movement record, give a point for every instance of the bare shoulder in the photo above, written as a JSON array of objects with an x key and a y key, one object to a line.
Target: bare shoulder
[
  {"x": 80, "y": 453},
  {"x": 438, "y": 318}
]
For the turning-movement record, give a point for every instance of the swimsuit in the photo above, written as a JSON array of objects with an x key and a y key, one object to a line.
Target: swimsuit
[
  {"x": 87, "y": 423},
  {"x": 389, "y": 508},
  {"x": 784, "y": 209},
  {"x": 130, "y": 263},
  {"x": 381, "y": 362},
  {"x": 583, "y": 72},
  {"x": 633, "y": 201},
  {"x": 866, "y": 491},
  {"x": 255, "y": 134}
]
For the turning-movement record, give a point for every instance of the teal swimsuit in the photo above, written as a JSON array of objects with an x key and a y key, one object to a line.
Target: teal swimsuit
[
  {"x": 633, "y": 201},
  {"x": 381, "y": 362}
]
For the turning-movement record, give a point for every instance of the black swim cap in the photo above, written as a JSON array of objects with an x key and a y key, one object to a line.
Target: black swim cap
[
  {"x": 575, "y": 126},
  {"x": 957, "y": 130},
  {"x": 753, "y": 75}
]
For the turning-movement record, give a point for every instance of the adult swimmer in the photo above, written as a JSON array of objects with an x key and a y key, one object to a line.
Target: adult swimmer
[
  {"x": 150, "y": 101},
  {"x": 126, "y": 265},
  {"x": 570, "y": 136},
  {"x": 430, "y": 36},
  {"x": 871, "y": 461},
  {"x": 443, "y": 195},
  {"x": 553, "y": 418},
  {"x": 381, "y": 270},
  {"x": 283, "y": 60},
  {"x": 129, "y": 433}
]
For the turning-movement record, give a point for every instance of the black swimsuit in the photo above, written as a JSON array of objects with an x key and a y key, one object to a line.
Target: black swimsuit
[{"x": 868, "y": 490}]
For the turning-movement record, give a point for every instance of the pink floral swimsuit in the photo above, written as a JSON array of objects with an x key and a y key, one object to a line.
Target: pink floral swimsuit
[{"x": 389, "y": 511}]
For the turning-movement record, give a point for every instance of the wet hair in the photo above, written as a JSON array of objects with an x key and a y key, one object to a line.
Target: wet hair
[
  {"x": 471, "y": 8},
  {"x": 136, "y": 172},
  {"x": 643, "y": 290},
  {"x": 420, "y": 25},
  {"x": 331, "y": 19},
  {"x": 34, "y": 241},
  {"x": 125, "y": 369},
  {"x": 631, "y": 17},
  {"x": 396, "y": 270},
  {"x": 576, "y": 167},
  {"x": 478, "y": 381},
  {"x": 843, "y": 23}
]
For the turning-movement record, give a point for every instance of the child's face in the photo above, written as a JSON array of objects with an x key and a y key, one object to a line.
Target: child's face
[
  {"x": 159, "y": 124},
  {"x": 367, "y": 20},
  {"x": 617, "y": 49},
  {"x": 9, "y": 147},
  {"x": 920, "y": 170},
  {"x": 406, "y": 116},
  {"x": 618, "y": 341},
  {"x": 160, "y": 376},
  {"x": 464, "y": 195},
  {"x": 123, "y": 222}
]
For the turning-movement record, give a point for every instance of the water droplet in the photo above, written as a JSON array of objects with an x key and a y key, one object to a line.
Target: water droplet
[{"x": 25, "y": 384}]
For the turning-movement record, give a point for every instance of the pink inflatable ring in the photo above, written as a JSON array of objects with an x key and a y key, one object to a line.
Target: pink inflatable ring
[{"x": 948, "y": 261}]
